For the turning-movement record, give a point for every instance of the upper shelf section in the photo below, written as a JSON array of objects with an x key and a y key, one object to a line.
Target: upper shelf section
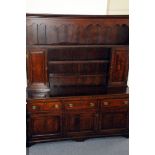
[{"x": 77, "y": 29}]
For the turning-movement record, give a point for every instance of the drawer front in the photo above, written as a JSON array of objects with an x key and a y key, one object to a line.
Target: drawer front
[
  {"x": 80, "y": 104},
  {"x": 114, "y": 103},
  {"x": 44, "y": 106}
]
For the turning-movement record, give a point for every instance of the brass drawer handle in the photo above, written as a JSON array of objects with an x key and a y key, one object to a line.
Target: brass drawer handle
[
  {"x": 34, "y": 107},
  {"x": 92, "y": 104},
  {"x": 45, "y": 102},
  {"x": 56, "y": 106},
  {"x": 70, "y": 105},
  {"x": 106, "y": 103},
  {"x": 126, "y": 102}
]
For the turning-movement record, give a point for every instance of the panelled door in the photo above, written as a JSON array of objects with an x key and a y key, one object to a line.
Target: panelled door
[
  {"x": 45, "y": 125},
  {"x": 118, "y": 72},
  {"x": 80, "y": 117},
  {"x": 113, "y": 116}
]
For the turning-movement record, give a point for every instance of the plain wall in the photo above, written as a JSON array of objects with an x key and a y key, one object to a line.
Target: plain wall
[
  {"x": 118, "y": 7},
  {"x": 67, "y": 6}
]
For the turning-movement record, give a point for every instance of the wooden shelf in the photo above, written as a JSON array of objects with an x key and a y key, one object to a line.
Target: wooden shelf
[
  {"x": 65, "y": 74},
  {"x": 76, "y": 90},
  {"x": 78, "y": 61},
  {"x": 76, "y": 79},
  {"x": 75, "y": 46}
]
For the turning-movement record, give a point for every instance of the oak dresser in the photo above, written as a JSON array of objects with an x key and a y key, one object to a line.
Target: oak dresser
[{"x": 77, "y": 69}]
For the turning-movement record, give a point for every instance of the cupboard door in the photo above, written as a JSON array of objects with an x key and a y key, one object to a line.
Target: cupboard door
[
  {"x": 45, "y": 125},
  {"x": 118, "y": 67},
  {"x": 37, "y": 73},
  {"x": 80, "y": 123},
  {"x": 114, "y": 121}
]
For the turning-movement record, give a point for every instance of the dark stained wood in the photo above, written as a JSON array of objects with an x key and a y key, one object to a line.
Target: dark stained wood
[
  {"x": 37, "y": 72},
  {"x": 77, "y": 68},
  {"x": 114, "y": 103},
  {"x": 74, "y": 98},
  {"x": 80, "y": 123},
  {"x": 114, "y": 115},
  {"x": 71, "y": 53},
  {"x": 75, "y": 16},
  {"x": 37, "y": 69},
  {"x": 118, "y": 72},
  {"x": 47, "y": 124},
  {"x": 44, "y": 106},
  {"x": 75, "y": 80},
  {"x": 119, "y": 67},
  {"x": 87, "y": 104},
  {"x": 46, "y": 30},
  {"x": 77, "y": 117},
  {"x": 69, "y": 43},
  {"x": 80, "y": 117},
  {"x": 77, "y": 46},
  {"x": 77, "y": 71}
]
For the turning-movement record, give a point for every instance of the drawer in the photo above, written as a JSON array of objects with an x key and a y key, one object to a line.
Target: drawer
[
  {"x": 44, "y": 106},
  {"x": 114, "y": 103},
  {"x": 80, "y": 104}
]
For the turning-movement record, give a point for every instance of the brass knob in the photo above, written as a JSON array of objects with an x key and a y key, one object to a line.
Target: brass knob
[
  {"x": 34, "y": 107},
  {"x": 92, "y": 104},
  {"x": 45, "y": 102},
  {"x": 125, "y": 102},
  {"x": 70, "y": 105},
  {"x": 56, "y": 106},
  {"x": 106, "y": 103}
]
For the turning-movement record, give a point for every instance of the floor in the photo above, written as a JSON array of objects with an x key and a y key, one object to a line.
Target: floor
[{"x": 97, "y": 146}]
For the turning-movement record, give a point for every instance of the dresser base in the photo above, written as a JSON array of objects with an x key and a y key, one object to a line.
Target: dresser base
[{"x": 77, "y": 139}]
